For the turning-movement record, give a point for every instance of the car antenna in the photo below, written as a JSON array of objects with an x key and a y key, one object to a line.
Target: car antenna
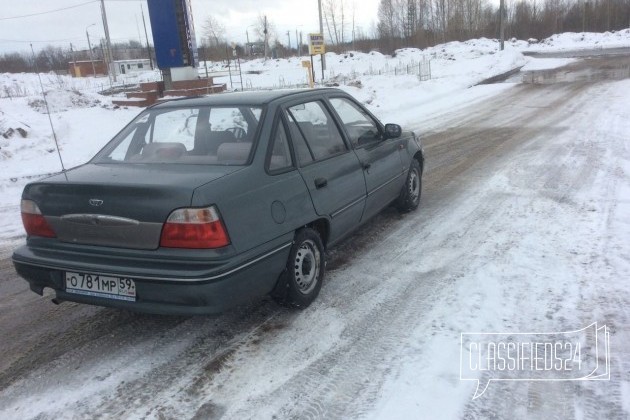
[{"x": 41, "y": 85}]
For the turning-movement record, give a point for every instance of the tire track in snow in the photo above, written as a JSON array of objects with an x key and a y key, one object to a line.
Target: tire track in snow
[{"x": 565, "y": 172}]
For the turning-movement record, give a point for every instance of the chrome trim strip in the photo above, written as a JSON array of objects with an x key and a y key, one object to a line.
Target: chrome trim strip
[
  {"x": 384, "y": 184},
  {"x": 341, "y": 210},
  {"x": 134, "y": 277},
  {"x": 99, "y": 220}
]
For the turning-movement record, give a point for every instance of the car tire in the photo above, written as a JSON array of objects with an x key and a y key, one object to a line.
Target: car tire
[
  {"x": 409, "y": 198},
  {"x": 301, "y": 281}
]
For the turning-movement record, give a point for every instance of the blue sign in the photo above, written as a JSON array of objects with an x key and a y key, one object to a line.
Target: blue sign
[{"x": 173, "y": 33}]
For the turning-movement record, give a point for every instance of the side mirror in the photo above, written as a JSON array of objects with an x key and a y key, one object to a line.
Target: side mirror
[{"x": 392, "y": 131}]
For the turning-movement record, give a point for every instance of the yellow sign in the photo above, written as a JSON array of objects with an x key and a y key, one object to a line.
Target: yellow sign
[
  {"x": 306, "y": 63},
  {"x": 316, "y": 44}
]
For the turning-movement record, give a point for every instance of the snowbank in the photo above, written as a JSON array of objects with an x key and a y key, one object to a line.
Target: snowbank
[{"x": 570, "y": 41}]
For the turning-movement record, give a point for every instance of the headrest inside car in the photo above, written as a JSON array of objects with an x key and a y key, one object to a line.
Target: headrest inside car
[{"x": 236, "y": 153}]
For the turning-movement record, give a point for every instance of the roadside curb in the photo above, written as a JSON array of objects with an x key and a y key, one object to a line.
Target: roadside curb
[{"x": 500, "y": 77}]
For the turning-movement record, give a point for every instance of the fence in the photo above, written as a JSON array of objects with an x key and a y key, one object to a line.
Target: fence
[{"x": 421, "y": 68}]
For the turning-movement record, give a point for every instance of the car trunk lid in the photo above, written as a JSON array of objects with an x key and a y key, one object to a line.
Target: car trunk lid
[{"x": 118, "y": 205}]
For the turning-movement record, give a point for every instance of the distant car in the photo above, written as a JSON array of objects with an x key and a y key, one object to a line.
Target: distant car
[{"x": 202, "y": 204}]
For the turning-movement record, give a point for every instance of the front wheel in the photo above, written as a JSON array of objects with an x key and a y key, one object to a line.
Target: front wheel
[
  {"x": 409, "y": 198},
  {"x": 300, "y": 283}
]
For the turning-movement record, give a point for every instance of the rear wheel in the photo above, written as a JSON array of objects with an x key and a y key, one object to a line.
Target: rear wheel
[
  {"x": 300, "y": 283},
  {"x": 409, "y": 198}
]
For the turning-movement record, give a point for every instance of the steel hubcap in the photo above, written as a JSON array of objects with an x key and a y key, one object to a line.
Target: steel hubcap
[
  {"x": 307, "y": 260},
  {"x": 414, "y": 185}
]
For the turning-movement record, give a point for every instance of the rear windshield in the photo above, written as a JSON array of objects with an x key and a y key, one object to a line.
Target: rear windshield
[{"x": 201, "y": 135}]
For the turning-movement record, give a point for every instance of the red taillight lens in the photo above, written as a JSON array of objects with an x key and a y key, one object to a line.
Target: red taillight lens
[
  {"x": 34, "y": 222},
  {"x": 194, "y": 228}
]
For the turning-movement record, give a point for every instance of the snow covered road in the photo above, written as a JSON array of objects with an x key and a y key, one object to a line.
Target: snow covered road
[{"x": 523, "y": 226}]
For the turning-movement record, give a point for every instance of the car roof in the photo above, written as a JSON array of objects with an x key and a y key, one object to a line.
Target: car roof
[{"x": 254, "y": 98}]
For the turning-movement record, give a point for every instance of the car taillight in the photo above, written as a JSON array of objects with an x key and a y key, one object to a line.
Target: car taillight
[
  {"x": 34, "y": 222},
  {"x": 194, "y": 228}
]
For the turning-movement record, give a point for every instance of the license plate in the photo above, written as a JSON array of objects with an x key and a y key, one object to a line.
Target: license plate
[{"x": 121, "y": 288}]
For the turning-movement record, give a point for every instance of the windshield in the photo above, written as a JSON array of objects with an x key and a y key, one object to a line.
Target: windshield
[{"x": 196, "y": 135}]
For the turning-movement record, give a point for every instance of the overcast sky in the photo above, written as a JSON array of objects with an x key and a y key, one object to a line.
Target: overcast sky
[{"x": 125, "y": 20}]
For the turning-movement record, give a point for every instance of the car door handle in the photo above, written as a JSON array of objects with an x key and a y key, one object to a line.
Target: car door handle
[
  {"x": 367, "y": 166},
  {"x": 320, "y": 183}
]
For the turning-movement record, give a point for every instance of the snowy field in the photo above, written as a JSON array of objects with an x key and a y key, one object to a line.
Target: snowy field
[
  {"x": 532, "y": 236},
  {"x": 84, "y": 120}
]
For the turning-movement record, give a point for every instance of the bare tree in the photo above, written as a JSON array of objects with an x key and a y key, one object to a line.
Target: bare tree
[
  {"x": 334, "y": 14},
  {"x": 262, "y": 24},
  {"x": 213, "y": 31},
  {"x": 387, "y": 28},
  {"x": 411, "y": 24},
  {"x": 266, "y": 32},
  {"x": 16, "y": 63}
]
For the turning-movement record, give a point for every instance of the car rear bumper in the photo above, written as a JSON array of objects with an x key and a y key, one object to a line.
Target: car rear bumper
[{"x": 208, "y": 291}]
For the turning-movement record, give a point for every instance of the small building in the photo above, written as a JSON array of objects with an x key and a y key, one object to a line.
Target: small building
[
  {"x": 86, "y": 68},
  {"x": 123, "y": 67}
]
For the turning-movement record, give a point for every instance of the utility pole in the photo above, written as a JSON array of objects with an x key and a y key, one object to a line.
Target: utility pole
[
  {"x": 105, "y": 60},
  {"x": 110, "y": 57},
  {"x": 74, "y": 61},
  {"x": 289, "y": 36},
  {"x": 87, "y": 34},
  {"x": 321, "y": 31},
  {"x": 584, "y": 4},
  {"x": 502, "y": 23},
  {"x": 353, "y": 9},
  {"x": 146, "y": 37},
  {"x": 265, "y": 32},
  {"x": 299, "y": 44}
]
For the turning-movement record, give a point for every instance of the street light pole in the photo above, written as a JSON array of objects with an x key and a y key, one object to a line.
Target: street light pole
[{"x": 87, "y": 34}]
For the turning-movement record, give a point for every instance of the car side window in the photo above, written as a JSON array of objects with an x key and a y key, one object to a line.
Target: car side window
[
  {"x": 361, "y": 128},
  {"x": 280, "y": 153},
  {"x": 312, "y": 123}
]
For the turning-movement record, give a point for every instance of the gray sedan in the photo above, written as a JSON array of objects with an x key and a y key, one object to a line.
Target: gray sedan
[{"x": 199, "y": 205}]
